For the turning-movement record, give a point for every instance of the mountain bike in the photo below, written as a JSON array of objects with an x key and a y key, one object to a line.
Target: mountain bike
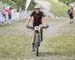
[{"x": 37, "y": 37}]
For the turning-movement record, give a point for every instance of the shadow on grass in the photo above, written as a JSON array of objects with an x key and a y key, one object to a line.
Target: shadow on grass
[{"x": 56, "y": 54}]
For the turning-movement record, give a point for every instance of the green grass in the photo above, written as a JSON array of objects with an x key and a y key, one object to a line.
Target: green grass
[
  {"x": 58, "y": 8},
  {"x": 15, "y": 42},
  {"x": 19, "y": 45},
  {"x": 14, "y": 46},
  {"x": 62, "y": 45}
]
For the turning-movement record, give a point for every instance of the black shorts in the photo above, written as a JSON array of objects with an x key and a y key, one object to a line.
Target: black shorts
[{"x": 71, "y": 17}]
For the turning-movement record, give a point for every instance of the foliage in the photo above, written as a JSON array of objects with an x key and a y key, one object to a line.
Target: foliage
[
  {"x": 32, "y": 4},
  {"x": 58, "y": 8},
  {"x": 19, "y": 3},
  {"x": 67, "y": 1}
]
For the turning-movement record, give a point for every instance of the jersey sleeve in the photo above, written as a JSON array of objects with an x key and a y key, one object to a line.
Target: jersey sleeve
[
  {"x": 43, "y": 14},
  {"x": 32, "y": 14}
]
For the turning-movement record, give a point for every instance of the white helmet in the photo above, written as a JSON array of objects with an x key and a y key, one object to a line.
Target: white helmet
[{"x": 37, "y": 7}]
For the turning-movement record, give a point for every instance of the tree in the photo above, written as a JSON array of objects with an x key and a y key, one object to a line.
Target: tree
[
  {"x": 32, "y": 4},
  {"x": 21, "y": 4}
]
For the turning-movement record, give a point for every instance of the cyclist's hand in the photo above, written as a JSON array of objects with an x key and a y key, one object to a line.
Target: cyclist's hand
[
  {"x": 47, "y": 26},
  {"x": 41, "y": 25}
]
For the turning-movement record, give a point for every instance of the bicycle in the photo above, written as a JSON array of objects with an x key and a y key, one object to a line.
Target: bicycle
[{"x": 37, "y": 37}]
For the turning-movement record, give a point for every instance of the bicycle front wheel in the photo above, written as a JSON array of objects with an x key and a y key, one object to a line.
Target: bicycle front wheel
[
  {"x": 38, "y": 44},
  {"x": 37, "y": 52}
]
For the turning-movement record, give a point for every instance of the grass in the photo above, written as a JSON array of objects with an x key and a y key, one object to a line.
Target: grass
[
  {"x": 58, "y": 8},
  {"x": 19, "y": 45},
  {"x": 62, "y": 45},
  {"x": 14, "y": 46},
  {"x": 68, "y": 29},
  {"x": 14, "y": 42}
]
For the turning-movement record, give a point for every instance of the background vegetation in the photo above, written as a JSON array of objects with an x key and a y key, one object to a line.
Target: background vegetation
[
  {"x": 19, "y": 3},
  {"x": 67, "y": 1},
  {"x": 58, "y": 8}
]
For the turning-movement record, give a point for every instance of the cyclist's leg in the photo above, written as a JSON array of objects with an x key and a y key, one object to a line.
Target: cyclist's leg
[
  {"x": 41, "y": 34},
  {"x": 33, "y": 39},
  {"x": 33, "y": 36},
  {"x": 41, "y": 30},
  {"x": 71, "y": 19}
]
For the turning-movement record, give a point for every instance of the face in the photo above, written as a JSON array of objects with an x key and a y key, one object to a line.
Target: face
[{"x": 37, "y": 10}]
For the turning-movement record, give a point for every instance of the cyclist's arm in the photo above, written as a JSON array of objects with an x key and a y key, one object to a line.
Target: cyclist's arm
[
  {"x": 29, "y": 18},
  {"x": 46, "y": 20}
]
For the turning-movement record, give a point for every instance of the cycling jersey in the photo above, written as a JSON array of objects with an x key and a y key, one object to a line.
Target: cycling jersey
[{"x": 37, "y": 18}]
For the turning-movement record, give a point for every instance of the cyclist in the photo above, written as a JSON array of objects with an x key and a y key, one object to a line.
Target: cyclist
[{"x": 36, "y": 17}]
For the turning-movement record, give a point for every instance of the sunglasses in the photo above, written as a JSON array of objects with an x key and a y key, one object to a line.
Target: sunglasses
[{"x": 37, "y": 8}]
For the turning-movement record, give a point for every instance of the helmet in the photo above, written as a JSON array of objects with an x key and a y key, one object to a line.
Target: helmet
[{"x": 37, "y": 7}]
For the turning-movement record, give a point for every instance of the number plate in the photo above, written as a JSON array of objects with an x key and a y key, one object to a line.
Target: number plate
[{"x": 37, "y": 28}]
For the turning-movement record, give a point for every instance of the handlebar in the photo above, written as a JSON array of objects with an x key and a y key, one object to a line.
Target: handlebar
[{"x": 31, "y": 27}]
